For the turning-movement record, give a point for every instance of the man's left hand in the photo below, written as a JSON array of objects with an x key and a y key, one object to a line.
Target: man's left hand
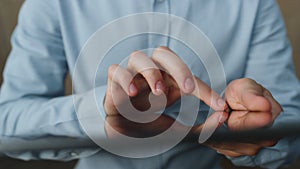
[{"x": 253, "y": 107}]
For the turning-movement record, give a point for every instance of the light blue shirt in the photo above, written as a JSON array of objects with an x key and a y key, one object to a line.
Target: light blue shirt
[{"x": 249, "y": 36}]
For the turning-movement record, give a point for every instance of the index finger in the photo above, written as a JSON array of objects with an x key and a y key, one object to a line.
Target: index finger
[
  {"x": 175, "y": 67},
  {"x": 187, "y": 82}
]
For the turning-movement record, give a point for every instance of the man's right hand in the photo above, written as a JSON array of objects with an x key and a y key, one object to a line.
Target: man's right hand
[{"x": 132, "y": 85}]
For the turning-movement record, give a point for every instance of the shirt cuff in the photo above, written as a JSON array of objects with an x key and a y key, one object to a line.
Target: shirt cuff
[{"x": 88, "y": 123}]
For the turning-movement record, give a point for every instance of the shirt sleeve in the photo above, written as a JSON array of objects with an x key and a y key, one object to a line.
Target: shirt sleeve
[
  {"x": 32, "y": 101},
  {"x": 270, "y": 63}
]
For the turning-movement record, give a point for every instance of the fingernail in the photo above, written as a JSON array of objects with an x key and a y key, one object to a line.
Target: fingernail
[
  {"x": 221, "y": 103},
  {"x": 132, "y": 89},
  {"x": 189, "y": 84},
  {"x": 222, "y": 118},
  {"x": 159, "y": 87}
]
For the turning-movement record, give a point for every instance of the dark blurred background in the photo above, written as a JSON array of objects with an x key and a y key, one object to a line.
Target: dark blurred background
[{"x": 8, "y": 19}]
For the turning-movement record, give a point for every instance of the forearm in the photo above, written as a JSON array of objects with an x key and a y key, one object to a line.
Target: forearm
[{"x": 39, "y": 118}]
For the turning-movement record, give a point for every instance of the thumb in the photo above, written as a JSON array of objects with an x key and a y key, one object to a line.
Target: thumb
[
  {"x": 255, "y": 101},
  {"x": 246, "y": 120}
]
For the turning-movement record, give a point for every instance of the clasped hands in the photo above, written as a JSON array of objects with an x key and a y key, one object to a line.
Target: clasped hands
[{"x": 165, "y": 73}]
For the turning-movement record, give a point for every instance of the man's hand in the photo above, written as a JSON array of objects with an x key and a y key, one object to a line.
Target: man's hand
[
  {"x": 144, "y": 75},
  {"x": 247, "y": 95},
  {"x": 254, "y": 107}
]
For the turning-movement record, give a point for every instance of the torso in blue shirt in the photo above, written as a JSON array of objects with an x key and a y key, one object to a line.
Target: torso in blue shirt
[{"x": 248, "y": 35}]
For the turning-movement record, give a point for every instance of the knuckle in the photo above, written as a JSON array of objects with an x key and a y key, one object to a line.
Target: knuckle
[
  {"x": 163, "y": 48},
  {"x": 240, "y": 82},
  {"x": 152, "y": 73},
  {"x": 246, "y": 80},
  {"x": 113, "y": 67},
  {"x": 134, "y": 54},
  {"x": 133, "y": 58},
  {"x": 111, "y": 70},
  {"x": 158, "y": 51}
]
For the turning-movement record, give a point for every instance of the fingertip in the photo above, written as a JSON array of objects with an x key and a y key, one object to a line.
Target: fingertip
[
  {"x": 132, "y": 90},
  {"x": 219, "y": 104},
  {"x": 223, "y": 117},
  {"x": 159, "y": 88},
  {"x": 189, "y": 85},
  {"x": 222, "y": 104}
]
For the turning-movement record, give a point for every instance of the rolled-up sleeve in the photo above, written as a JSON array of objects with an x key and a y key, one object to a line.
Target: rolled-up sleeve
[
  {"x": 270, "y": 63},
  {"x": 32, "y": 101}
]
